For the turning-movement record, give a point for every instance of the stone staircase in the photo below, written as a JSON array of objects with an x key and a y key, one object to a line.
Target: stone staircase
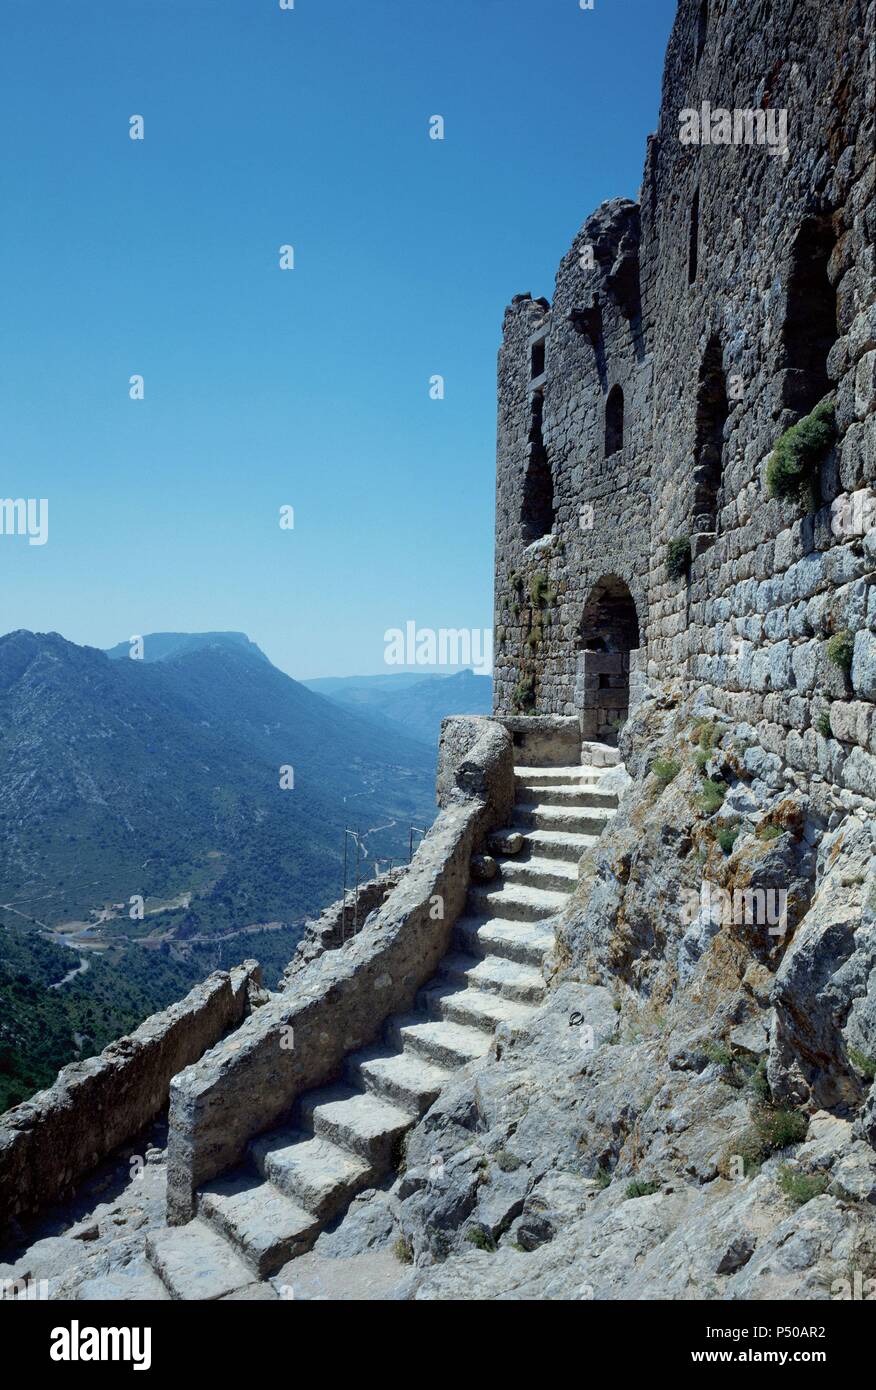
[{"x": 344, "y": 1138}]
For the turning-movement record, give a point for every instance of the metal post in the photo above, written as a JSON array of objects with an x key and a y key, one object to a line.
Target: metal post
[
  {"x": 344, "y": 895},
  {"x": 356, "y": 903}
]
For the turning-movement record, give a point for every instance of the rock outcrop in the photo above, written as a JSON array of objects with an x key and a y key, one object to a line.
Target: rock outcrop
[{"x": 690, "y": 1113}]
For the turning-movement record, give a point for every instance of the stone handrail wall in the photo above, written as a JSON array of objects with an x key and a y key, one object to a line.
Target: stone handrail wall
[
  {"x": 340, "y": 1003},
  {"x": 48, "y": 1143}
]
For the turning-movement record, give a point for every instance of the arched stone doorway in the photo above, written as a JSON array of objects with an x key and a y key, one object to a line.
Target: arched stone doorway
[{"x": 608, "y": 639}]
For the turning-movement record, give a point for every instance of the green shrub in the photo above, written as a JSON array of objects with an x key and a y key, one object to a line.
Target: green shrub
[
  {"x": 822, "y": 724},
  {"x": 799, "y": 1187},
  {"x": 481, "y": 1239},
  {"x": 508, "y": 1162},
  {"x": 719, "y": 1053},
  {"x": 637, "y": 1188},
  {"x": 603, "y": 1177},
  {"x": 778, "y": 1128},
  {"x": 712, "y": 796},
  {"x": 727, "y": 837},
  {"x": 524, "y": 693},
  {"x": 707, "y": 733},
  {"x": 792, "y": 470},
  {"x": 540, "y": 591},
  {"x": 678, "y": 557},
  {"x": 665, "y": 770},
  {"x": 403, "y": 1250},
  {"x": 769, "y": 831},
  {"x": 862, "y": 1063},
  {"x": 771, "y": 1130},
  {"x": 701, "y": 759},
  {"x": 759, "y": 1083},
  {"x": 841, "y": 649}
]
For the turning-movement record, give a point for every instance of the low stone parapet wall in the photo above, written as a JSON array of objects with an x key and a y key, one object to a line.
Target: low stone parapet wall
[
  {"x": 48, "y": 1143},
  {"x": 544, "y": 740}
]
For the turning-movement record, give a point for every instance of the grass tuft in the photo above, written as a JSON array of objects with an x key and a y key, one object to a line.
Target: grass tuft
[
  {"x": 862, "y": 1063},
  {"x": 481, "y": 1239},
  {"x": 403, "y": 1251},
  {"x": 637, "y": 1188},
  {"x": 665, "y": 770},
  {"x": 712, "y": 796},
  {"x": 800, "y": 1188}
]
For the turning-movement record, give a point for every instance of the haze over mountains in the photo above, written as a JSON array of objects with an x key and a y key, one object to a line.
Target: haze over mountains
[{"x": 409, "y": 702}]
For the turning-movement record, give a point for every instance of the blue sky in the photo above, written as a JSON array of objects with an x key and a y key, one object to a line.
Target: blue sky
[{"x": 264, "y": 388}]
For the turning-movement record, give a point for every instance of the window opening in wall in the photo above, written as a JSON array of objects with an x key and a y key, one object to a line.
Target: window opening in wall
[
  {"x": 712, "y": 411},
  {"x": 810, "y": 327},
  {"x": 694, "y": 246},
  {"x": 702, "y": 27},
  {"x": 537, "y": 510},
  {"x": 614, "y": 421},
  {"x": 537, "y": 362}
]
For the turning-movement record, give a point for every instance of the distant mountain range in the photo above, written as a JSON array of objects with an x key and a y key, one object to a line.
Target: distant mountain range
[
  {"x": 409, "y": 703},
  {"x": 159, "y": 778},
  {"x": 160, "y": 646},
  {"x": 156, "y": 777}
]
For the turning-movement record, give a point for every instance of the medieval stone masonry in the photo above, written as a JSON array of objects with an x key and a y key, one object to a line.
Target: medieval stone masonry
[{"x": 637, "y": 540}]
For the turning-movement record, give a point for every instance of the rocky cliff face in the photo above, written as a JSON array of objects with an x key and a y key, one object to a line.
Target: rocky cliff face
[{"x": 692, "y": 1112}]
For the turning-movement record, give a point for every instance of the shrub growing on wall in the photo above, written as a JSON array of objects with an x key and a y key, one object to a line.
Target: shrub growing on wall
[
  {"x": 540, "y": 591},
  {"x": 678, "y": 557},
  {"x": 841, "y": 649},
  {"x": 792, "y": 470}
]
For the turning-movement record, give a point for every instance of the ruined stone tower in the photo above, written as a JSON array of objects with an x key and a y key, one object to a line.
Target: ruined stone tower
[{"x": 637, "y": 539}]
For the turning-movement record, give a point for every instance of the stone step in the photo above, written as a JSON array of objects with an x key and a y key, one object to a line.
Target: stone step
[
  {"x": 494, "y": 975},
  {"x": 514, "y": 902},
  {"x": 599, "y": 755},
  {"x": 533, "y": 872},
  {"x": 579, "y": 820},
  {"x": 528, "y": 943},
  {"x": 473, "y": 1007},
  {"x": 557, "y": 776},
  {"x": 566, "y": 796},
  {"x": 404, "y": 1079},
  {"x": 134, "y": 1282},
  {"x": 264, "y": 1225},
  {"x": 554, "y": 844},
  {"x": 447, "y": 1044},
  {"x": 195, "y": 1263},
  {"x": 359, "y": 1121},
  {"x": 315, "y": 1173}
]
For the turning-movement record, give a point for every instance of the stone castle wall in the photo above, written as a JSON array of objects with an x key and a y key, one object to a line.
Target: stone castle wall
[{"x": 735, "y": 296}]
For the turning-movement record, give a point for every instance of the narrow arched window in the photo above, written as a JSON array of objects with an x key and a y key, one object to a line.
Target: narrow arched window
[
  {"x": 537, "y": 504},
  {"x": 810, "y": 327},
  {"x": 713, "y": 408},
  {"x": 702, "y": 27},
  {"x": 614, "y": 421},
  {"x": 694, "y": 243}
]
